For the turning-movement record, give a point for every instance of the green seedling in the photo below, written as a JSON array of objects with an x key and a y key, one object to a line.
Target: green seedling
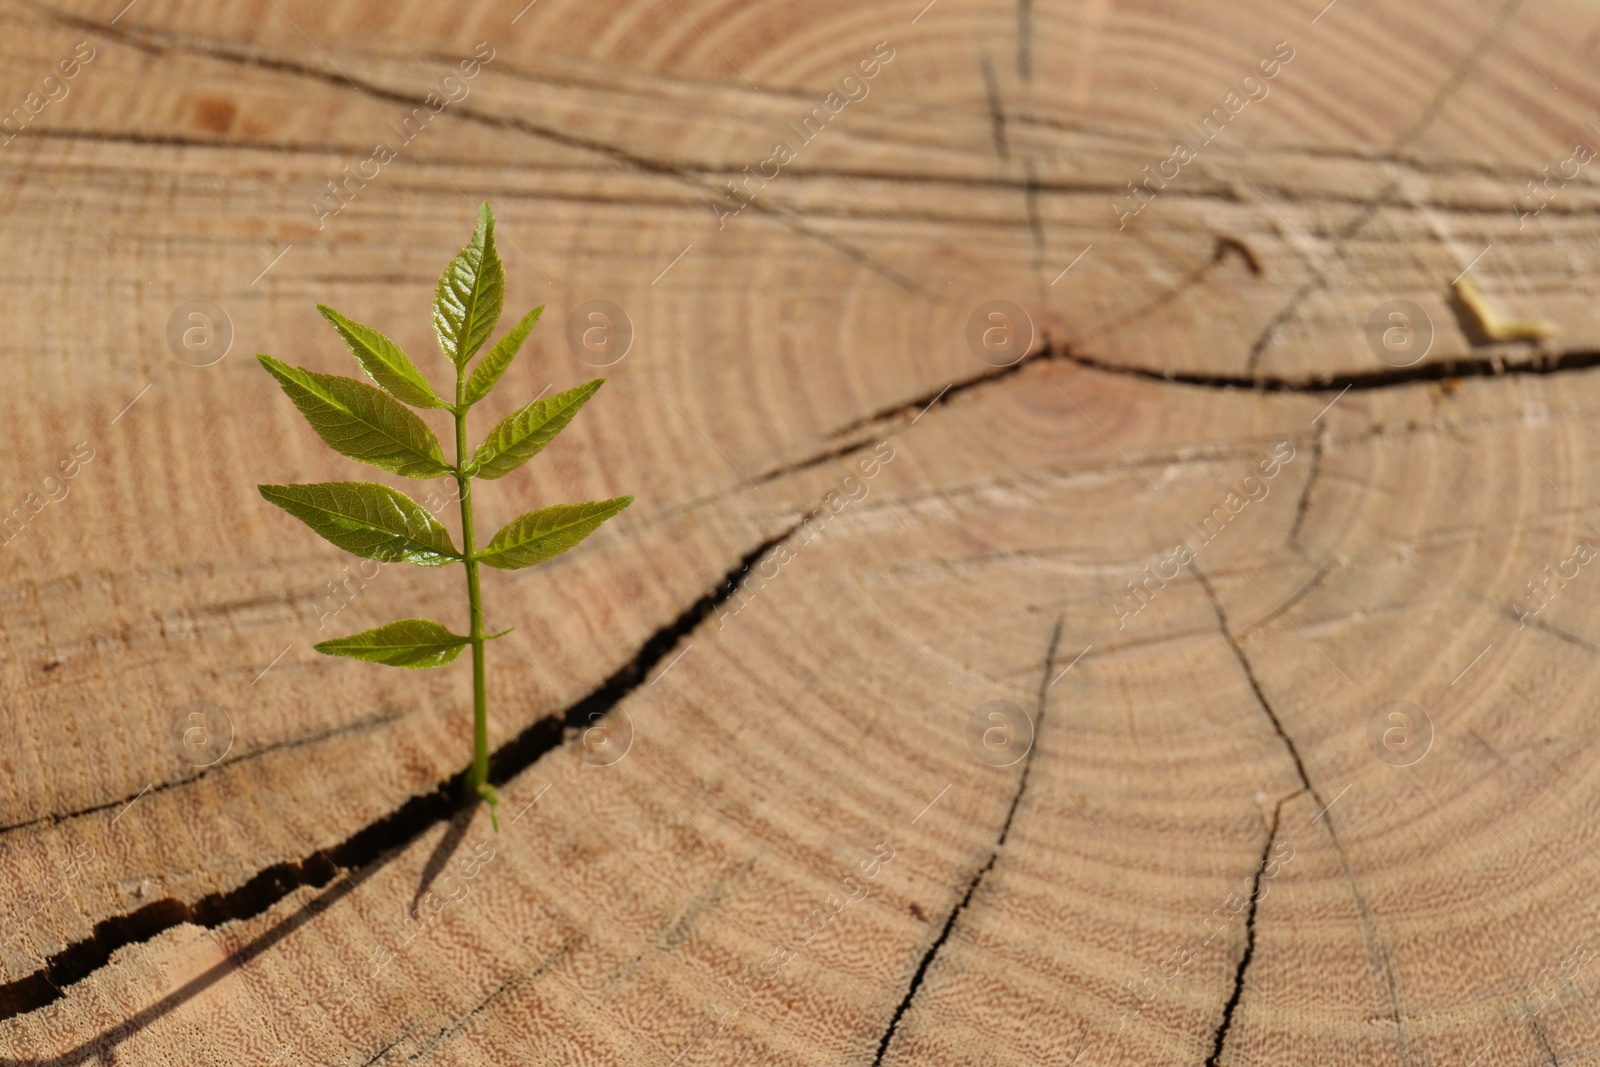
[{"x": 371, "y": 425}]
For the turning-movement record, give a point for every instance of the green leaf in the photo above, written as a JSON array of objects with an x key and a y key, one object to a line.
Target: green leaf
[
  {"x": 471, "y": 291},
  {"x": 523, "y": 433},
  {"x": 539, "y": 535},
  {"x": 368, "y": 519},
  {"x": 361, "y": 422},
  {"x": 414, "y": 643},
  {"x": 490, "y": 367},
  {"x": 384, "y": 362}
]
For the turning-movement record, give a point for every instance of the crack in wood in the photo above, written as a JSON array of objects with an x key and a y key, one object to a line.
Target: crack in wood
[
  {"x": 997, "y": 111},
  {"x": 1232, "y": 1004},
  {"x": 994, "y": 856},
  {"x": 1409, "y": 135},
  {"x": 162, "y": 43},
  {"x": 364, "y": 723},
  {"x": 1559, "y": 632},
  {"x": 1255, "y": 684},
  {"x": 1544, "y": 1042},
  {"x": 364, "y": 849},
  {"x": 473, "y": 1014},
  {"x": 1542, "y": 363},
  {"x": 1379, "y": 955},
  {"x": 802, "y": 173},
  {"x": 1310, "y": 586},
  {"x": 384, "y": 1051},
  {"x": 80, "y": 959},
  {"x": 866, "y": 430},
  {"x": 859, "y": 433},
  {"x": 1305, "y": 494}
]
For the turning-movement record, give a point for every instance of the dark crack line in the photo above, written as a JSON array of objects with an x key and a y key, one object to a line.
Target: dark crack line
[
  {"x": 1249, "y": 945},
  {"x": 994, "y": 856},
  {"x": 1560, "y": 633},
  {"x": 521, "y": 978},
  {"x": 1054, "y": 350},
  {"x": 1544, "y": 1042},
  {"x": 847, "y": 440},
  {"x": 1305, "y": 495},
  {"x": 102, "y": 1045},
  {"x": 1378, "y": 955},
  {"x": 1255, "y": 684},
  {"x": 861, "y": 432},
  {"x": 366, "y": 723},
  {"x": 929, "y": 399},
  {"x": 1172, "y": 293},
  {"x": 1002, "y": 148},
  {"x": 1495, "y": 366},
  {"x": 1409, "y": 135},
  {"x": 160, "y": 44},
  {"x": 384, "y": 1051},
  {"x": 1311, "y": 584},
  {"x": 696, "y": 169},
  {"x": 1224, "y": 247},
  {"x": 997, "y": 111},
  {"x": 383, "y": 837}
]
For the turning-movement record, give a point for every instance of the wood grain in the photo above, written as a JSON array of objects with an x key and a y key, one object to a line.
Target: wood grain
[{"x": 1295, "y": 631}]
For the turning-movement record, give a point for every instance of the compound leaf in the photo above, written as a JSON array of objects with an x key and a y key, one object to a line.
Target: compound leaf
[
  {"x": 361, "y": 422},
  {"x": 414, "y": 643},
  {"x": 523, "y": 433},
  {"x": 491, "y": 366},
  {"x": 471, "y": 291},
  {"x": 539, "y": 535},
  {"x": 384, "y": 362},
  {"x": 369, "y": 520}
]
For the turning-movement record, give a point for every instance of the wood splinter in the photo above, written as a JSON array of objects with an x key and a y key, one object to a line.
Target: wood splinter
[{"x": 1492, "y": 326}]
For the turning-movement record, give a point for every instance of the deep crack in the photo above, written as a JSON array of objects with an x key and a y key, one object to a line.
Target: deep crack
[
  {"x": 1255, "y": 684},
  {"x": 394, "y": 831},
  {"x": 994, "y": 856},
  {"x": 1249, "y": 945},
  {"x": 1487, "y": 366},
  {"x": 1379, "y": 955},
  {"x": 859, "y": 432}
]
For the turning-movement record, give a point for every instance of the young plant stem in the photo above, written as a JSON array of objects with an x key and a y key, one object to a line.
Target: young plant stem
[
  {"x": 477, "y": 782},
  {"x": 374, "y": 424}
]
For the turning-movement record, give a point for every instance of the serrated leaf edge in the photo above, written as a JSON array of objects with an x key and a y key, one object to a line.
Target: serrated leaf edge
[
  {"x": 514, "y": 338},
  {"x": 275, "y": 366},
  {"x": 480, "y": 460},
  {"x": 416, "y": 379}
]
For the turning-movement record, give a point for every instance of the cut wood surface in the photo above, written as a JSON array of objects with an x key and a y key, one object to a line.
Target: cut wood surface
[{"x": 1194, "y": 665}]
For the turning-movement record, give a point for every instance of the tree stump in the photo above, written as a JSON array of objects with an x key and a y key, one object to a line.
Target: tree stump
[{"x": 1109, "y": 581}]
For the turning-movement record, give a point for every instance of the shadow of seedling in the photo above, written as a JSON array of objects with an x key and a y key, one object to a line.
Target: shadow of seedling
[
  {"x": 99, "y": 1048},
  {"x": 442, "y": 852}
]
